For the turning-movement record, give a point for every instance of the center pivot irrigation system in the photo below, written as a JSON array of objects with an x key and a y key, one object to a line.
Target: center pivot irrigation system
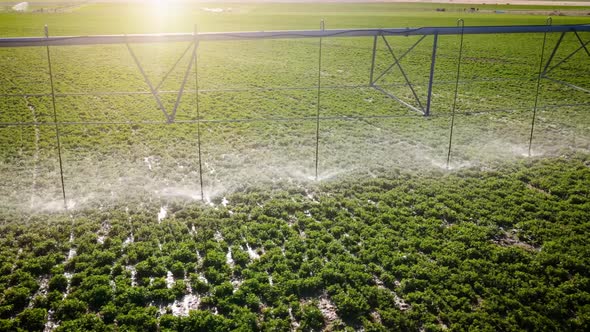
[{"x": 423, "y": 107}]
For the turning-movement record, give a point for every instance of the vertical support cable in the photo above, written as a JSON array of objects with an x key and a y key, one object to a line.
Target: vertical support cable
[
  {"x": 317, "y": 129},
  {"x": 431, "y": 80},
  {"x": 22, "y": 120},
  {"x": 371, "y": 82},
  {"x": 548, "y": 23},
  {"x": 198, "y": 111},
  {"x": 57, "y": 135},
  {"x": 460, "y": 23}
]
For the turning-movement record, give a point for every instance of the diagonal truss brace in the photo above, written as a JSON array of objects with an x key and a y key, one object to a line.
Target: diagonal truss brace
[
  {"x": 170, "y": 117},
  {"x": 174, "y": 66},
  {"x": 397, "y": 62},
  {"x": 186, "y": 74},
  {"x": 548, "y": 67}
]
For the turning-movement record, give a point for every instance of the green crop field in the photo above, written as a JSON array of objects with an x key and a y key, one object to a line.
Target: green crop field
[{"x": 386, "y": 238}]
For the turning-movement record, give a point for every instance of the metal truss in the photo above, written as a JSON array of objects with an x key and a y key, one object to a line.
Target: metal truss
[
  {"x": 154, "y": 90},
  {"x": 419, "y": 104},
  {"x": 425, "y": 110},
  {"x": 548, "y": 67}
]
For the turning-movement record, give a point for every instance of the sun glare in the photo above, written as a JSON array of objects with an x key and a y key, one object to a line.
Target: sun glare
[
  {"x": 159, "y": 6},
  {"x": 159, "y": 13}
]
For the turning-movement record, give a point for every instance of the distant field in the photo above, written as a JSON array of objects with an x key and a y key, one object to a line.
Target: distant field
[
  {"x": 387, "y": 239},
  {"x": 113, "y": 18}
]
